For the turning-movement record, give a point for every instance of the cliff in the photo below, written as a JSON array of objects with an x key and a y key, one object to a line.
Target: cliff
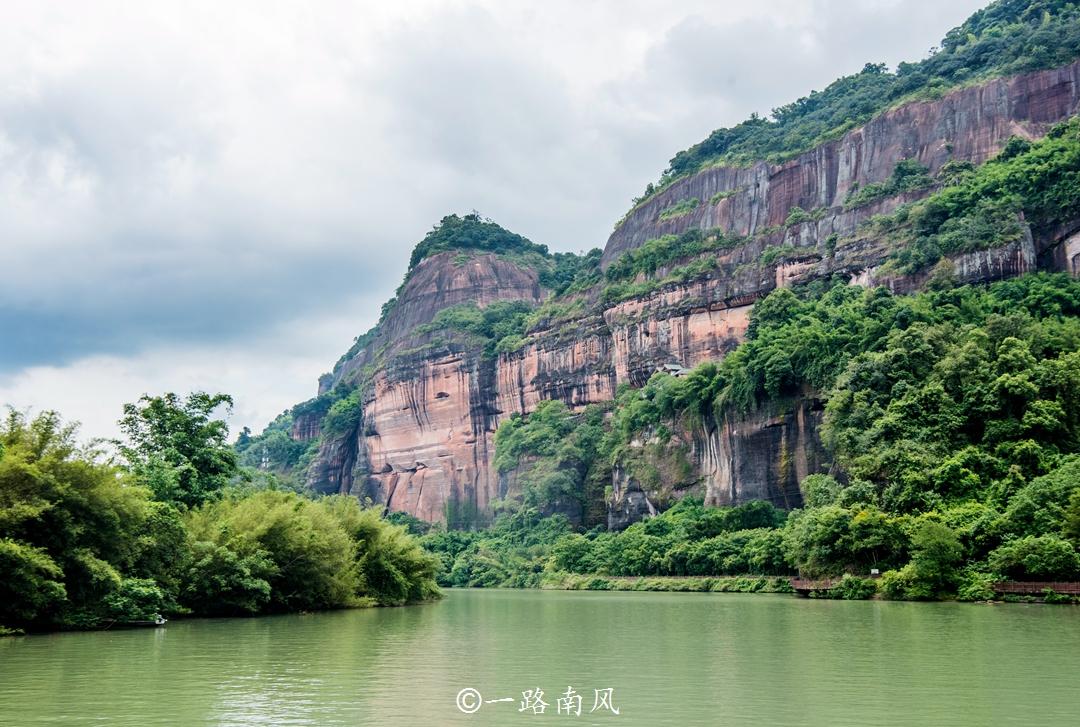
[
  {"x": 429, "y": 399},
  {"x": 969, "y": 124},
  {"x": 422, "y": 442}
]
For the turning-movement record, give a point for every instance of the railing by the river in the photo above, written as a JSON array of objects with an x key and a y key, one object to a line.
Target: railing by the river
[{"x": 1037, "y": 588}]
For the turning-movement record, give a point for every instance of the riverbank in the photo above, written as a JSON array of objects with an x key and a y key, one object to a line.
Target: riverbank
[{"x": 849, "y": 588}]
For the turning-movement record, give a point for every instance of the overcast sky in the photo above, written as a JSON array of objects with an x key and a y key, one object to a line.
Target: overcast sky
[{"x": 219, "y": 196}]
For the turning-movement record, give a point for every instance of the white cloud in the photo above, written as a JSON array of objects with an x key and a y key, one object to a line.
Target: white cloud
[{"x": 189, "y": 191}]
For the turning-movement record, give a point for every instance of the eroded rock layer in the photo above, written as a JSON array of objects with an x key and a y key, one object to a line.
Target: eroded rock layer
[
  {"x": 431, "y": 403},
  {"x": 969, "y": 124}
]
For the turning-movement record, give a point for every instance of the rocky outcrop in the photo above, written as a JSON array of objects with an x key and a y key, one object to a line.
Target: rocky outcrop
[
  {"x": 761, "y": 456},
  {"x": 968, "y": 124},
  {"x": 423, "y": 442},
  {"x": 438, "y": 282},
  {"x": 431, "y": 400},
  {"x": 573, "y": 362},
  {"x": 426, "y": 431}
]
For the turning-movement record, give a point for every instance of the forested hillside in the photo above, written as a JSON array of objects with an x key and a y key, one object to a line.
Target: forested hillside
[
  {"x": 839, "y": 339},
  {"x": 951, "y": 416}
]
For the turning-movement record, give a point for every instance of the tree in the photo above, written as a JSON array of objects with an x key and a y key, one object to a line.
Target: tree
[
  {"x": 293, "y": 543},
  {"x": 71, "y": 526},
  {"x": 831, "y": 540},
  {"x": 1072, "y": 519},
  {"x": 177, "y": 448},
  {"x": 935, "y": 552},
  {"x": 820, "y": 490},
  {"x": 393, "y": 568},
  {"x": 221, "y": 582},
  {"x": 31, "y": 584},
  {"x": 1041, "y": 505},
  {"x": 1036, "y": 558}
]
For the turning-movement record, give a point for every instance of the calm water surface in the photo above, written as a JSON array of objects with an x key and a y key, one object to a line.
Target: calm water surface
[{"x": 671, "y": 659}]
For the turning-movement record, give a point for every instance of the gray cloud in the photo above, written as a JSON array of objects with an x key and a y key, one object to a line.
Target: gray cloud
[{"x": 181, "y": 176}]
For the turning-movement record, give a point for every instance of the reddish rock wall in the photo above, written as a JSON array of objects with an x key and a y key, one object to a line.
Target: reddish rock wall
[
  {"x": 970, "y": 124},
  {"x": 430, "y": 409}
]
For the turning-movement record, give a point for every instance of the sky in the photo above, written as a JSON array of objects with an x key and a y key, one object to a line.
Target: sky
[{"x": 219, "y": 196}]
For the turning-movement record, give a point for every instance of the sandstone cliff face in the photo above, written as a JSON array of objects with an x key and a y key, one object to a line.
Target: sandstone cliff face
[
  {"x": 761, "y": 456},
  {"x": 969, "y": 124},
  {"x": 438, "y": 282},
  {"x": 425, "y": 444},
  {"x": 574, "y": 364},
  {"x": 427, "y": 436}
]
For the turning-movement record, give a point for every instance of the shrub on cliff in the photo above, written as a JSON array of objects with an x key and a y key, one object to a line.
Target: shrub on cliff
[
  {"x": 344, "y": 415},
  {"x": 664, "y": 251},
  {"x": 559, "y": 457},
  {"x": 471, "y": 232},
  {"x": 496, "y": 328},
  {"x": 980, "y": 209},
  {"x": 907, "y": 175}
]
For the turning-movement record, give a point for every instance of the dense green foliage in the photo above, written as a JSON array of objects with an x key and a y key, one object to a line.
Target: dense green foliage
[
  {"x": 524, "y": 548},
  {"x": 277, "y": 551},
  {"x": 951, "y": 413},
  {"x": 617, "y": 292},
  {"x": 663, "y": 251},
  {"x": 471, "y": 232},
  {"x": 1009, "y": 36},
  {"x": 85, "y": 542},
  {"x": 635, "y": 273},
  {"x": 176, "y": 448},
  {"x": 908, "y": 175},
  {"x": 511, "y": 553},
  {"x": 274, "y": 449},
  {"x": 495, "y": 328},
  {"x": 557, "y": 455},
  {"x": 980, "y": 207},
  {"x": 571, "y": 272},
  {"x": 796, "y": 342},
  {"x": 72, "y": 532},
  {"x": 282, "y": 459}
]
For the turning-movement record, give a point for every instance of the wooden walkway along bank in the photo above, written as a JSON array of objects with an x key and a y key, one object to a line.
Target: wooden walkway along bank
[
  {"x": 1037, "y": 588},
  {"x": 804, "y": 586}
]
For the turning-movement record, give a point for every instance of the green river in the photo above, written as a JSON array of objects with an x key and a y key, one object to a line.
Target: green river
[{"x": 668, "y": 659}]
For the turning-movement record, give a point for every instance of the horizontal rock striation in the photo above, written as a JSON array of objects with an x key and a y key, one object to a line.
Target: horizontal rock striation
[
  {"x": 431, "y": 401},
  {"x": 760, "y": 456},
  {"x": 969, "y": 124}
]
